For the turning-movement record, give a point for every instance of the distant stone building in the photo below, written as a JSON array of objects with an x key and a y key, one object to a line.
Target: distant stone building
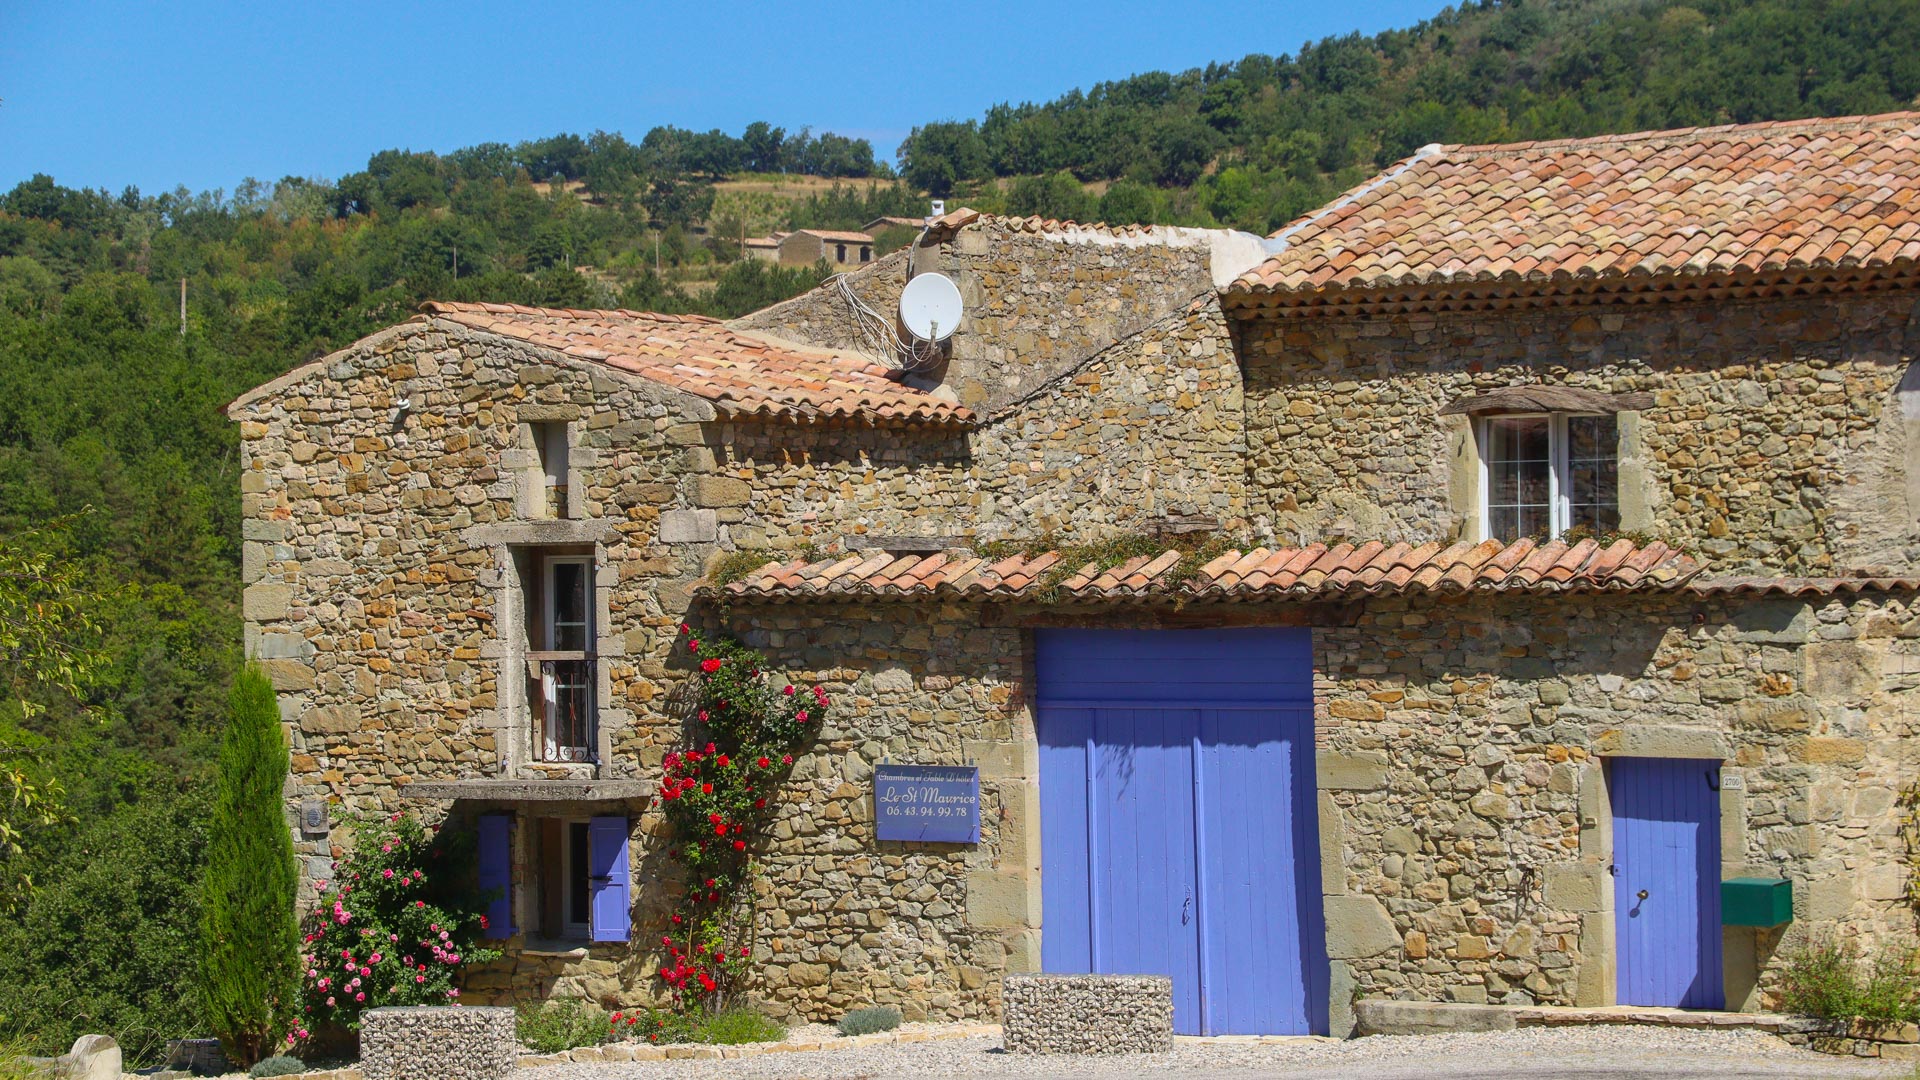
[
  {"x": 1565, "y": 504},
  {"x": 874, "y": 227},
  {"x": 765, "y": 248},
  {"x": 808, "y": 246}
]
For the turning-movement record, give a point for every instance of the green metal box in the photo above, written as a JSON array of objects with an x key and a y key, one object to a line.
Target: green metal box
[{"x": 1755, "y": 901}]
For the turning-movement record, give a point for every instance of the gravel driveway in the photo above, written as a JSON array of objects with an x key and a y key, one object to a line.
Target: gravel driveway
[{"x": 1612, "y": 1052}]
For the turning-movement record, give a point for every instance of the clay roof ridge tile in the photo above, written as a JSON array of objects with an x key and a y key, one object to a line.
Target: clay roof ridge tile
[
  {"x": 1606, "y": 560},
  {"x": 1408, "y": 563},
  {"x": 1080, "y": 578},
  {"x": 1429, "y": 576}
]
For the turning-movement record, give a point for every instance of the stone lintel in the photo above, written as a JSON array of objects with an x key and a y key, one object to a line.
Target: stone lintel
[
  {"x": 1662, "y": 741},
  {"x": 541, "y": 532},
  {"x": 530, "y": 791}
]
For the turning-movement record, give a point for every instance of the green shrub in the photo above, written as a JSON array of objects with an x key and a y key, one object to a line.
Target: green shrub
[
  {"x": 251, "y": 933},
  {"x": 111, "y": 927},
  {"x": 1827, "y": 978},
  {"x": 657, "y": 1026},
  {"x": 397, "y": 924},
  {"x": 278, "y": 1065},
  {"x": 735, "y": 1026},
  {"x": 562, "y": 1025},
  {"x": 867, "y": 1021}
]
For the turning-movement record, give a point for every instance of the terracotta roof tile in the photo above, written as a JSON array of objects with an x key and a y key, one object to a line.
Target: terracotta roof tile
[
  {"x": 743, "y": 373},
  {"x": 833, "y": 234},
  {"x": 954, "y": 220},
  {"x": 1311, "y": 572},
  {"x": 1828, "y": 194}
]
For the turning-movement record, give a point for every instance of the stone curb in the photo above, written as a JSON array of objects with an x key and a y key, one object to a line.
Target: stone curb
[
  {"x": 623, "y": 1051},
  {"x": 348, "y": 1073}
]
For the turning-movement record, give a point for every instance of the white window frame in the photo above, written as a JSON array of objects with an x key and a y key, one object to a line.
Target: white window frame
[
  {"x": 1559, "y": 468},
  {"x": 549, "y": 686}
]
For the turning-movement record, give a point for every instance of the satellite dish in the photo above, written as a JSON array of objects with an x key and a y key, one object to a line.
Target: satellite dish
[{"x": 930, "y": 307}]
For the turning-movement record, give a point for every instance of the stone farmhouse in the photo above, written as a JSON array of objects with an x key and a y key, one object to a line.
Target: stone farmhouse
[
  {"x": 808, "y": 246},
  {"x": 765, "y": 248},
  {"x": 1536, "y": 622}
]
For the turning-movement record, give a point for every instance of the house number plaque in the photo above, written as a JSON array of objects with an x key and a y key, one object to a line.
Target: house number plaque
[
  {"x": 928, "y": 803},
  {"x": 313, "y": 816}
]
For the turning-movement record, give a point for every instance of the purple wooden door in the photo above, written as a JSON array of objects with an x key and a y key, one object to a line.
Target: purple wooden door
[
  {"x": 1666, "y": 866},
  {"x": 1178, "y": 828}
]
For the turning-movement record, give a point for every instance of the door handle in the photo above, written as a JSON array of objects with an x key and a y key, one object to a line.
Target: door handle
[{"x": 1642, "y": 894}]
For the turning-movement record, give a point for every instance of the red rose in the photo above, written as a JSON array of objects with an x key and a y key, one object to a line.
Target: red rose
[
  {"x": 706, "y": 789},
  {"x": 763, "y": 762},
  {"x": 711, "y": 664},
  {"x": 721, "y": 760},
  {"x": 739, "y": 845}
]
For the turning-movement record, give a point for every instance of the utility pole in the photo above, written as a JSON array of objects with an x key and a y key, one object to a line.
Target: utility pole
[
  {"x": 456, "y": 262},
  {"x": 183, "y": 307}
]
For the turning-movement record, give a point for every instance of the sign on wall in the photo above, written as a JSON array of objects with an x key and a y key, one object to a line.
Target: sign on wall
[{"x": 928, "y": 803}]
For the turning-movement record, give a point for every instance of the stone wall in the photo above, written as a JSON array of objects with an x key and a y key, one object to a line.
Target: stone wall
[
  {"x": 1776, "y": 441},
  {"x": 438, "y": 1043},
  {"x": 1147, "y": 428},
  {"x": 846, "y": 920},
  {"x": 1464, "y": 810},
  {"x": 1038, "y": 302},
  {"x": 1088, "y": 1014}
]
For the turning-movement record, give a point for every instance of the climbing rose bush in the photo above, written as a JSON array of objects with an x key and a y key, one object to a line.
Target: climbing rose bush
[
  {"x": 397, "y": 925},
  {"x": 719, "y": 791}
]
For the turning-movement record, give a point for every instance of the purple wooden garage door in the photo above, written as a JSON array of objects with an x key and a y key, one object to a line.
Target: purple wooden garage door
[
  {"x": 1178, "y": 824},
  {"x": 1666, "y": 867}
]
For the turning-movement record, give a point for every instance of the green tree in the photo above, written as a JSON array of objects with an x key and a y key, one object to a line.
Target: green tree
[
  {"x": 251, "y": 933},
  {"x": 49, "y": 648}
]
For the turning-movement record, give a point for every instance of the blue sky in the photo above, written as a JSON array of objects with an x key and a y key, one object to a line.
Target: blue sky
[{"x": 203, "y": 94}]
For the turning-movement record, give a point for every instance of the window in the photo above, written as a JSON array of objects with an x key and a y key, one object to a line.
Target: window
[
  {"x": 550, "y": 441},
  {"x": 839, "y": 253},
  {"x": 1547, "y": 473},
  {"x": 866, "y": 253},
  {"x": 563, "y": 648},
  {"x": 583, "y": 875}
]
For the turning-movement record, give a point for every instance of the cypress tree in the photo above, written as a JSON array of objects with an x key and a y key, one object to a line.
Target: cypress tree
[{"x": 250, "y": 975}]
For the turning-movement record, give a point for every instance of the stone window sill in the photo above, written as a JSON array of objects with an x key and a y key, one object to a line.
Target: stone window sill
[{"x": 565, "y": 950}]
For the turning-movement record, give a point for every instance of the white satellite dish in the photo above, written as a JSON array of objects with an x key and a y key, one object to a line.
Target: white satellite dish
[{"x": 930, "y": 307}]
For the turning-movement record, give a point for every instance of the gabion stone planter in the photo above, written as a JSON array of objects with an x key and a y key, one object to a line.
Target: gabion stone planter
[
  {"x": 437, "y": 1042},
  {"x": 1087, "y": 1014}
]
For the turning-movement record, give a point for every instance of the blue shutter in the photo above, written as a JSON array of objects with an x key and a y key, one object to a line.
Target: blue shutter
[
  {"x": 607, "y": 856},
  {"x": 496, "y": 873}
]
